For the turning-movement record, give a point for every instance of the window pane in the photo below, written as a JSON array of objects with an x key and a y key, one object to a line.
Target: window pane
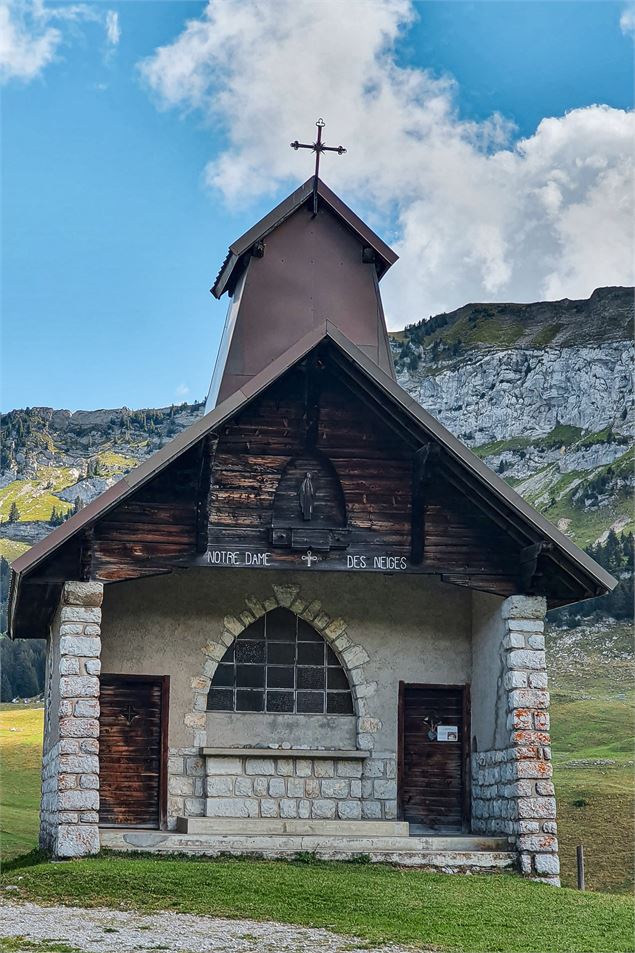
[
  {"x": 279, "y": 701},
  {"x": 254, "y": 631},
  {"x": 224, "y": 675},
  {"x": 281, "y": 677},
  {"x": 281, "y": 653},
  {"x": 310, "y": 678},
  {"x": 250, "y": 651},
  {"x": 309, "y": 653},
  {"x": 339, "y": 703},
  {"x": 281, "y": 625},
  {"x": 220, "y": 699},
  {"x": 250, "y": 701},
  {"x": 306, "y": 632},
  {"x": 311, "y": 702},
  {"x": 336, "y": 678},
  {"x": 250, "y": 676},
  {"x": 280, "y": 664}
]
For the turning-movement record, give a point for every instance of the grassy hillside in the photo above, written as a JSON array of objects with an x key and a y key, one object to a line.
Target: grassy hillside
[
  {"x": 582, "y": 503},
  {"x": 20, "y": 756},
  {"x": 605, "y": 316}
]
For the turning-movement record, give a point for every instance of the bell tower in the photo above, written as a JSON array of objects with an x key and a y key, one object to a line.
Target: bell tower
[{"x": 311, "y": 260}]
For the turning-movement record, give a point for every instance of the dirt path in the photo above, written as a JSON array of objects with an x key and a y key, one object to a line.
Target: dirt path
[{"x": 111, "y": 931}]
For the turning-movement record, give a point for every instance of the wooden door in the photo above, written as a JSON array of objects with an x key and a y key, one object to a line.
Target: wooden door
[
  {"x": 133, "y": 750},
  {"x": 433, "y": 764}
]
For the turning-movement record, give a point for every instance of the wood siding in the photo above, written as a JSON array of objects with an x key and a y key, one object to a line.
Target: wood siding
[{"x": 372, "y": 465}]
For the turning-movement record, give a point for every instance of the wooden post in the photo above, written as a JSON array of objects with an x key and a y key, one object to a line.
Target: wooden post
[{"x": 579, "y": 854}]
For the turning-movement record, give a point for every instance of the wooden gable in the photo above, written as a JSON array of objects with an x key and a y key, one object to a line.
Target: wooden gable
[{"x": 392, "y": 491}]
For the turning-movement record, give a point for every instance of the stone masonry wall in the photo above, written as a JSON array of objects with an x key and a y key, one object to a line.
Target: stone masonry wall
[
  {"x": 51, "y": 745},
  {"x": 70, "y": 768},
  {"x": 318, "y": 788},
  {"x": 279, "y": 786},
  {"x": 512, "y": 787}
]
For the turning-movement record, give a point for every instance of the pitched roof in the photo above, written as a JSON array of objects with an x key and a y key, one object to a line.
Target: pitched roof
[
  {"x": 416, "y": 416},
  {"x": 385, "y": 256}
]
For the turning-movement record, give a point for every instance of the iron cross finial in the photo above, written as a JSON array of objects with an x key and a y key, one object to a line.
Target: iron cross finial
[{"x": 318, "y": 147}]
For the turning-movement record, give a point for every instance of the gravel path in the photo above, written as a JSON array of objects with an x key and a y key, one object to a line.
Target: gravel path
[{"x": 112, "y": 931}]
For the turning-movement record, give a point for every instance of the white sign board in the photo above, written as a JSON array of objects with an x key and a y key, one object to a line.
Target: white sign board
[{"x": 447, "y": 733}]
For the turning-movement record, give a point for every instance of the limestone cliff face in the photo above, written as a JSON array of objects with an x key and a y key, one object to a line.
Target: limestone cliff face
[
  {"x": 499, "y": 393},
  {"x": 543, "y": 393}
]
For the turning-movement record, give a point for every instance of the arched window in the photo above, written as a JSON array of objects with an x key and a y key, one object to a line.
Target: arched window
[{"x": 280, "y": 664}]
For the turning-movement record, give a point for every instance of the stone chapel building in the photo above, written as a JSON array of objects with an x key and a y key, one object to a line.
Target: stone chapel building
[{"x": 314, "y": 620}]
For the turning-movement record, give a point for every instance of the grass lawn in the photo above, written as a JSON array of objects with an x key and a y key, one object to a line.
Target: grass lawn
[
  {"x": 479, "y": 914},
  {"x": 21, "y": 750}
]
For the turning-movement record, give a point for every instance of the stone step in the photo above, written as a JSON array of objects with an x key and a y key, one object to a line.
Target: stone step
[
  {"x": 443, "y": 853},
  {"x": 260, "y": 825}
]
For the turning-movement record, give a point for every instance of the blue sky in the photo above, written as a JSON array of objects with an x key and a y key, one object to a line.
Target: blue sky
[{"x": 119, "y": 197}]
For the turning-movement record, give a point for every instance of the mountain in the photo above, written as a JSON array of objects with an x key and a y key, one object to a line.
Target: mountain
[
  {"x": 52, "y": 462},
  {"x": 542, "y": 392}
]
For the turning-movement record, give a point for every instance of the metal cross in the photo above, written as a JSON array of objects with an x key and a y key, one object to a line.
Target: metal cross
[
  {"x": 310, "y": 558},
  {"x": 318, "y": 147}
]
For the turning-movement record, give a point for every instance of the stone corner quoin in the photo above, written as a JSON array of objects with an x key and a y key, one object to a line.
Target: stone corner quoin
[
  {"x": 70, "y": 767},
  {"x": 513, "y": 791}
]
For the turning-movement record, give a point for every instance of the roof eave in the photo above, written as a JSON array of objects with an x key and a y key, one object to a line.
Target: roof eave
[{"x": 239, "y": 248}]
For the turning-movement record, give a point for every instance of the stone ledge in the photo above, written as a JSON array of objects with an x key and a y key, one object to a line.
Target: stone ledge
[{"x": 341, "y": 755}]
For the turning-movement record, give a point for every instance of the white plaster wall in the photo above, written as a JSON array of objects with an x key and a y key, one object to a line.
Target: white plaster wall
[
  {"x": 414, "y": 628},
  {"x": 488, "y": 696}
]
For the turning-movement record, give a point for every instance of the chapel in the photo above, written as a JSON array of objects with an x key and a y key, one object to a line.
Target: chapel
[{"x": 314, "y": 620}]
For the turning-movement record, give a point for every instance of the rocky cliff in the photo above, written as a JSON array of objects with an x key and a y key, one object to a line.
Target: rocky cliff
[{"x": 543, "y": 393}]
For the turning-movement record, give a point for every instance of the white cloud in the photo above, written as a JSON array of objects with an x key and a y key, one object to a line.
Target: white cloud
[
  {"x": 627, "y": 20},
  {"x": 26, "y": 46},
  {"x": 113, "y": 29},
  {"x": 474, "y": 214},
  {"x": 32, "y": 33},
  {"x": 182, "y": 391}
]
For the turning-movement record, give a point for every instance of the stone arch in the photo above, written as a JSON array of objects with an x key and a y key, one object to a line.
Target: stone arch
[{"x": 352, "y": 657}]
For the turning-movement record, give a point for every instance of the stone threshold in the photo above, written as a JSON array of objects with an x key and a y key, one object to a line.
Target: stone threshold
[
  {"x": 446, "y": 854},
  {"x": 339, "y": 754}
]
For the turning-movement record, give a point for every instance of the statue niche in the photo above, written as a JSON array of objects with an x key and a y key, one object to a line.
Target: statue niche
[{"x": 308, "y": 507}]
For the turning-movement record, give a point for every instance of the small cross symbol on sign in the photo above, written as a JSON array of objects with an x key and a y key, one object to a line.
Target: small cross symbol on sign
[{"x": 309, "y": 559}]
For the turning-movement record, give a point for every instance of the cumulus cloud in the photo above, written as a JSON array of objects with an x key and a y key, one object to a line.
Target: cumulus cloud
[
  {"x": 474, "y": 212},
  {"x": 32, "y": 33}
]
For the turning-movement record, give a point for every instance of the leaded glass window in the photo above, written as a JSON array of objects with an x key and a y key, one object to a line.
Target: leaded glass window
[{"x": 280, "y": 664}]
